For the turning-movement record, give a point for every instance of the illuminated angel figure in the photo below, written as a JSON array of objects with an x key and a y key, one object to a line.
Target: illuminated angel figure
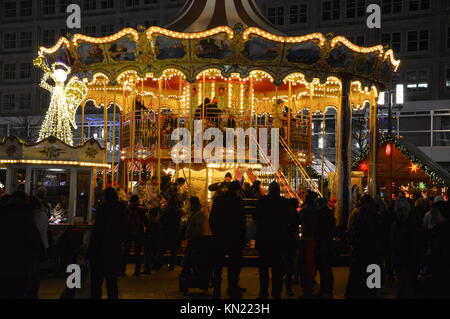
[{"x": 64, "y": 102}]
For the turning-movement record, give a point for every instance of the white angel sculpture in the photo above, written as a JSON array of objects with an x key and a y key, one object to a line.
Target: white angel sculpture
[{"x": 64, "y": 102}]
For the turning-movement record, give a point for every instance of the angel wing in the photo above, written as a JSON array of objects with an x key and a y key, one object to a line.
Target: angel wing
[{"x": 75, "y": 92}]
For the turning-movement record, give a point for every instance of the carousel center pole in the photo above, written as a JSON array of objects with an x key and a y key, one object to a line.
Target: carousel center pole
[
  {"x": 159, "y": 134},
  {"x": 373, "y": 131},
  {"x": 343, "y": 155},
  {"x": 105, "y": 135},
  {"x": 113, "y": 143},
  {"x": 180, "y": 95},
  {"x": 82, "y": 123}
]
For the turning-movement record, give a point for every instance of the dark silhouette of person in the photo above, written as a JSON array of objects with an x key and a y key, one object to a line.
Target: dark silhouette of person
[
  {"x": 227, "y": 221},
  {"x": 308, "y": 244},
  {"x": 325, "y": 233},
  {"x": 21, "y": 246},
  {"x": 170, "y": 223},
  {"x": 221, "y": 188},
  {"x": 137, "y": 223},
  {"x": 292, "y": 244},
  {"x": 408, "y": 248},
  {"x": 201, "y": 108},
  {"x": 272, "y": 236},
  {"x": 365, "y": 238},
  {"x": 439, "y": 260},
  {"x": 152, "y": 246},
  {"x": 105, "y": 251}
]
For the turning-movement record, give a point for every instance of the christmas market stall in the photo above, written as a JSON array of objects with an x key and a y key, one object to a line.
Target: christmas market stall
[
  {"x": 67, "y": 173},
  {"x": 403, "y": 167}
]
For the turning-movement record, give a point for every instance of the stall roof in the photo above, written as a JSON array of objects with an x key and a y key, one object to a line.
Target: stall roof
[{"x": 432, "y": 169}]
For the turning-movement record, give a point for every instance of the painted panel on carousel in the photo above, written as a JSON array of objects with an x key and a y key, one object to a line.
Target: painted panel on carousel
[
  {"x": 216, "y": 47},
  {"x": 63, "y": 55},
  {"x": 91, "y": 53},
  {"x": 123, "y": 50},
  {"x": 341, "y": 57},
  {"x": 260, "y": 50},
  {"x": 307, "y": 53},
  {"x": 167, "y": 48},
  {"x": 367, "y": 63}
]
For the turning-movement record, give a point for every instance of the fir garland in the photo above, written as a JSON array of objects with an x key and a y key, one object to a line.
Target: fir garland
[{"x": 392, "y": 140}]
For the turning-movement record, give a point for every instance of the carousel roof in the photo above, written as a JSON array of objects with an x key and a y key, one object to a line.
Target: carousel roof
[{"x": 201, "y": 15}]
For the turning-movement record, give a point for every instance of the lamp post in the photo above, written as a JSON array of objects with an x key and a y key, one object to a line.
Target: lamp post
[{"x": 395, "y": 91}]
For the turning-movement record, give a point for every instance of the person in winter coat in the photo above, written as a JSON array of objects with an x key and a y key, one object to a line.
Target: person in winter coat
[
  {"x": 21, "y": 246},
  {"x": 365, "y": 237},
  {"x": 40, "y": 218},
  {"x": 309, "y": 221},
  {"x": 292, "y": 244},
  {"x": 227, "y": 221},
  {"x": 105, "y": 251},
  {"x": 439, "y": 282},
  {"x": 272, "y": 236},
  {"x": 324, "y": 235},
  {"x": 137, "y": 223},
  {"x": 408, "y": 248},
  {"x": 170, "y": 223}
]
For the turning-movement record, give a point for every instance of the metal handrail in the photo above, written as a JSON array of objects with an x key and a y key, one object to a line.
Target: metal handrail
[{"x": 302, "y": 170}]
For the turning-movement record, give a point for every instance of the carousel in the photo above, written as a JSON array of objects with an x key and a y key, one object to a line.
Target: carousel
[{"x": 226, "y": 67}]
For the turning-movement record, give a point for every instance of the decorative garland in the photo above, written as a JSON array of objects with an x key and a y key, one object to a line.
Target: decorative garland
[{"x": 392, "y": 140}]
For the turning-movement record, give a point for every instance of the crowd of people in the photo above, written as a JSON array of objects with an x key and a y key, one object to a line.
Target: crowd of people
[{"x": 408, "y": 239}]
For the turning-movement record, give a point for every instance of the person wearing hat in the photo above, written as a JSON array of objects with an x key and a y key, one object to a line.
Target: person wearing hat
[{"x": 221, "y": 187}]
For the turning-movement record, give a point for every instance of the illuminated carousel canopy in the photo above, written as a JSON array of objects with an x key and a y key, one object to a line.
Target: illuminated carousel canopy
[{"x": 235, "y": 50}]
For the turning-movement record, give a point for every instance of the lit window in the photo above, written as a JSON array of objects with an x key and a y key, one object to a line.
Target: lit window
[
  {"x": 447, "y": 79},
  {"x": 321, "y": 142},
  {"x": 417, "y": 81}
]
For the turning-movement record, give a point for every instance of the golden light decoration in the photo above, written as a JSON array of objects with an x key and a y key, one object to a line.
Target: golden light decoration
[
  {"x": 313, "y": 36},
  {"x": 64, "y": 102},
  {"x": 414, "y": 168},
  {"x": 356, "y": 48},
  {"x": 45, "y": 162},
  {"x": 194, "y": 35},
  {"x": 124, "y": 32}
]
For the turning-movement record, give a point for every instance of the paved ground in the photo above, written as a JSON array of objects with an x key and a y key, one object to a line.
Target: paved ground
[{"x": 163, "y": 284}]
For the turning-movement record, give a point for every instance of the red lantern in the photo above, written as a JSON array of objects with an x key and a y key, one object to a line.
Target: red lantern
[
  {"x": 388, "y": 150},
  {"x": 364, "y": 166}
]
